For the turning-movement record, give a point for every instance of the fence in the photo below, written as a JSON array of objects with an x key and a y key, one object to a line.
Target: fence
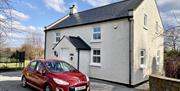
[
  {"x": 12, "y": 60},
  {"x": 160, "y": 83}
]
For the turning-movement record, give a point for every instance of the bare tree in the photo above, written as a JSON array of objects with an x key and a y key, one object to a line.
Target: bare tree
[
  {"x": 172, "y": 38},
  {"x": 5, "y": 20},
  {"x": 36, "y": 41}
]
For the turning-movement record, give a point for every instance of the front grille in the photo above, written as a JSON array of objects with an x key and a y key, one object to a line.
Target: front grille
[{"x": 73, "y": 89}]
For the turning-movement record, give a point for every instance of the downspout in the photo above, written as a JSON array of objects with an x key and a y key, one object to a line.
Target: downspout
[
  {"x": 45, "y": 43},
  {"x": 78, "y": 59},
  {"x": 130, "y": 19}
]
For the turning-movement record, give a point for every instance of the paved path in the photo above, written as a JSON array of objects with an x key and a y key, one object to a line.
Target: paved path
[{"x": 10, "y": 81}]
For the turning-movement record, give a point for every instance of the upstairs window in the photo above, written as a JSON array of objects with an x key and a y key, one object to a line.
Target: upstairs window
[
  {"x": 58, "y": 37},
  {"x": 145, "y": 19},
  {"x": 142, "y": 58},
  {"x": 96, "y": 33}
]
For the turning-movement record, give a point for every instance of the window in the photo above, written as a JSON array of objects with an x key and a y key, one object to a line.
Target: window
[
  {"x": 158, "y": 57},
  {"x": 39, "y": 67},
  {"x": 142, "y": 58},
  {"x": 58, "y": 38},
  {"x": 96, "y": 56},
  {"x": 157, "y": 27},
  {"x": 96, "y": 33},
  {"x": 32, "y": 65},
  {"x": 145, "y": 20}
]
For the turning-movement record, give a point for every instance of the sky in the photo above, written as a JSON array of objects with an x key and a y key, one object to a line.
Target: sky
[{"x": 34, "y": 15}]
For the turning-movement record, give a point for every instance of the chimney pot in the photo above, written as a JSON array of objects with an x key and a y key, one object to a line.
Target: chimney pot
[{"x": 73, "y": 10}]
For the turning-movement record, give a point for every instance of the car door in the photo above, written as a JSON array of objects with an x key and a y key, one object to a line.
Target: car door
[
  {"x": 39, "y": 77},
  {"x": 30, "y": 72}
]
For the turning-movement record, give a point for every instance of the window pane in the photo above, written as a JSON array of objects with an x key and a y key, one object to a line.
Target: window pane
[
  {"x": 96, "y": 36},
  {"x": 58, "y": 39},
  {"x": 97, "y": 29},
  {"x": 142, "y": 52},
  {"x": 32, "y": 65},
  {"x": 158, "y": 53},
  {"x": 142, "y": 60},
  {"x": 57, "y": 34},
  {"x": 96, "y": 59},
  {"x": 39, "y": 67},
  {"x": 145, "y": 19},
  {"x": 96, "y": 52}
]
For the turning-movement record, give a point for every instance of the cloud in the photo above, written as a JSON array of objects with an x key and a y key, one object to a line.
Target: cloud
[
  {"x": 96, "y": 3},
  {"x": 170, "y": 12},
  {"x": 29, "y": 5},
  {"x": 17, "y": 15},
  {"x": 57, "y": 5}
]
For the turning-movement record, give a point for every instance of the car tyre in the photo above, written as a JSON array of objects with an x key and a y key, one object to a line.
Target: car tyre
[
  {"x": 48, "y": 88},
  {"x": 24, "y": 82}
]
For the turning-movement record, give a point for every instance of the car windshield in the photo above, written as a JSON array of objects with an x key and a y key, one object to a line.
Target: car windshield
[{"x": 57, "y": 67}]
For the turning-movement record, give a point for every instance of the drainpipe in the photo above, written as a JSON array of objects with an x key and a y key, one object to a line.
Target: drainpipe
[
  {"x": 45, "y": 43},
  {"x": 78, "y": 59},
  {"x": 130, "y": 20}
]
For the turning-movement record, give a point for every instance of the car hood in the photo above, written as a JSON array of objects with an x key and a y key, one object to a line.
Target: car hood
[{"x": 72, "y": 77}]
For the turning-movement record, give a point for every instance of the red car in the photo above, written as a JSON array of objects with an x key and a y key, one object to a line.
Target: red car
[{"x": 54, "y": 75}]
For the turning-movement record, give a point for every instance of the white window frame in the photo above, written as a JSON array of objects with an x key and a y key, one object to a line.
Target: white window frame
[
  {"x": 142, "y": 64},
  {"x": 99, "y": 32},
  {"x": 92, "y": 55},
  {"x": 57, "y": 35},
  {"x": 158, "y": 58},
  {"x": 157, "y": 26},
  {"x": 145, "y": 19}
]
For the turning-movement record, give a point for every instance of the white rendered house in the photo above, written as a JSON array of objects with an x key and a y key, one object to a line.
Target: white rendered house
[{"x": 119, "y": 42}]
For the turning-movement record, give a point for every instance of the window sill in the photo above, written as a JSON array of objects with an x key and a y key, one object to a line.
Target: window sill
[
  {"x": 142, "y": 66},
  {"x": 95, "y": 41},
  {"x": 145, "y": 27},
  {"x": 95, "y": 65}
]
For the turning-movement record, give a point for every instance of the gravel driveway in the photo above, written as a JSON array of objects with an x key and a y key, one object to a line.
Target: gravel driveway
[{"x": 10, "y": 81}]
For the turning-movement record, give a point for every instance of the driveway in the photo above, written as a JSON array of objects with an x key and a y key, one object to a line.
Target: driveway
[{"x": 10, "y": 81}]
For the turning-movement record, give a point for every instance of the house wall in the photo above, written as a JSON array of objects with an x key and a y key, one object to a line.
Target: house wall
[
  {"x": 147, "y": 38},
  {"x": 114, "y": 48}
]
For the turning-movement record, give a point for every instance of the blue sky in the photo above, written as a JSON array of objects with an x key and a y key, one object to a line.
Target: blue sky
[{"x": 34, "y": 15}]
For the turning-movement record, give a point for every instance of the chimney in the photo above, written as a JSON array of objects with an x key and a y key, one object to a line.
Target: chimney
[{"x": 73, "y": 10}]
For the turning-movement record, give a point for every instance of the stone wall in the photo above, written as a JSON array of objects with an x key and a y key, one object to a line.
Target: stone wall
[{"x": 160, "y": 83}]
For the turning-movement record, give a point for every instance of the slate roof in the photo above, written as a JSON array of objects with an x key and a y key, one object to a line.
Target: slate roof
[
  {"x": 79, "y": 43},
  {"x": 113, "y": 11}
]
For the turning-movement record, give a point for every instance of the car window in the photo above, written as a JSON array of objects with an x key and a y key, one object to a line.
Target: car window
[
  {"x": 59, "y": 67},
  {"x": 39, "y": 67},
  {"x": 32, "y": 65}
]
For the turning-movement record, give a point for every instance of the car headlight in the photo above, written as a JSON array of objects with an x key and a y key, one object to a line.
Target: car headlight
[
  {"x": 87, "y": 78},
  {"x": 61, "y": 82}
]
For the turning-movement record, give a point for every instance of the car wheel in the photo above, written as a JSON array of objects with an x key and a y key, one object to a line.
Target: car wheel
[
  {"x": 24, "y": 82},
  {"x": 48, "y": 88}
]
